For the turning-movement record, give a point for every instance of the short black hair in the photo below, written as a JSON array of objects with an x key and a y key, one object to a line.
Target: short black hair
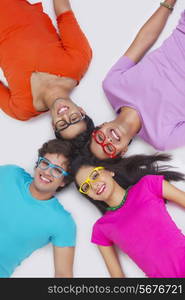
[
  {"x": 56, "y": 146},
  {"x": 80, "y": 140}
]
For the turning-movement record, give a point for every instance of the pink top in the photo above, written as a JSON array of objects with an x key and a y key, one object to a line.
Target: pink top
[
  {"x": 143, "y": 229},
  {"x": 155, "y": 88}
]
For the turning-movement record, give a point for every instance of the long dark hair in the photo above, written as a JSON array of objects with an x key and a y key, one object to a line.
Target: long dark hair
[{"x": 128, "y": 170}]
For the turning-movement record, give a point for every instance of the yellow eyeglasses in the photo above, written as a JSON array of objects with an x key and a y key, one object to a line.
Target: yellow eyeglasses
[{"x": 85, "y": 186}]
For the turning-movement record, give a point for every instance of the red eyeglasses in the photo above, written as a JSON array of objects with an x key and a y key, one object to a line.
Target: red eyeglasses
[{"x": 108, "y": 148}]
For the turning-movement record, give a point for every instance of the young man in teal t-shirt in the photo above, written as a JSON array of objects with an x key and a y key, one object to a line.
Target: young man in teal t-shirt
[{"x": 30, "y": 215}]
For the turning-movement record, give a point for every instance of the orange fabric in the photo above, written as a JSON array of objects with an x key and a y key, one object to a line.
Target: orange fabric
[{"x": 29, "y": 42}]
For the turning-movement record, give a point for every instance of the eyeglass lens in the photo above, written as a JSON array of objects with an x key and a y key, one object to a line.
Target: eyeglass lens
[
  {"x": 56, "y": 172},
  {"x": 73, "y": 118},
  {"x": 100, "y": 138},
  {"x": 93, "y": 176}
]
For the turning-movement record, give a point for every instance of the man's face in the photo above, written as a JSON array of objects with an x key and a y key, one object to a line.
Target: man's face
[
  {"x": 68, "y": 118},
  {"x": 110, "y": 142},
  {"x": 44, "y": 181}
]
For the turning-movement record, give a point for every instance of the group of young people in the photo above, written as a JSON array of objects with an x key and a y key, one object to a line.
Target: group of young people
[{"x": 147, "y": 92}]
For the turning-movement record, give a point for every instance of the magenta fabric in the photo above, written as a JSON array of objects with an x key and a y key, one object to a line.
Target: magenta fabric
[
  {"x": 143, "y": 229},
  {"x": 155, "y": 87}
]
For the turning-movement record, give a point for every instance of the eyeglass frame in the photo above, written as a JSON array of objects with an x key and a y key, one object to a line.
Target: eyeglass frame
[
  {"x": 51, "y": 166},
  {"x": 69, "y": 123},
  {"x": 102, "y": 144},
  {"x": 88, "y": 180}
]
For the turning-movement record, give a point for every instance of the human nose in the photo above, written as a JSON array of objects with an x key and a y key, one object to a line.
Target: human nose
[
  {"x": 95, "y": 185},
  {"x": 109, "y": 139},
  {"x": 47, "y": 171},
  {"x": 65, "y": 117}
]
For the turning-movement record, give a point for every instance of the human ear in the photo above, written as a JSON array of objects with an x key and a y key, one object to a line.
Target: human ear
[
  {"x": 110, "y": 173},
  {"x": 82, "y": 110},
  {"x": 62, "y": 184}
]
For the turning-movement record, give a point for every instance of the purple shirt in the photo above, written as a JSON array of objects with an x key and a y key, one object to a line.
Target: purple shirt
[
  {"x": 155, "y": 88},
  {"x": 143, "y": 229}
]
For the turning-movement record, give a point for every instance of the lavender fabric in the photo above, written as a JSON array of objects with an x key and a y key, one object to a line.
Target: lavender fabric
[{"x": 155, "y": 88}]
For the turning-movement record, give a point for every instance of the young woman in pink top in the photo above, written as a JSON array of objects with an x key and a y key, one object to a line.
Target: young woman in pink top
[{"x": 131, "y": 195}]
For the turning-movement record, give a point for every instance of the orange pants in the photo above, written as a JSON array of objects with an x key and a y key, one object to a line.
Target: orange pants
[{"x": 28, "y": 43}]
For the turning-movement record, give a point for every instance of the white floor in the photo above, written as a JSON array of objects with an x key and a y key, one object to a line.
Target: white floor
[{"x": 110, "y": 26}]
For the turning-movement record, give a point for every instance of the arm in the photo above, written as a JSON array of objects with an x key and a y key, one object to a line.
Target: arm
[
  {"x": 173, "y": 194},
  {"x": 149, "y": 33},
  {"x": 63, "y": 261},
  {"x": 72, "y": 37},
  {"x": 112, "y": 261},
  {"x": 61, "y": 6}
]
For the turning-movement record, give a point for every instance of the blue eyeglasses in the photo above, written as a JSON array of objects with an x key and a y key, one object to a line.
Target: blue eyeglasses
[{"x": 56, "y": 171}]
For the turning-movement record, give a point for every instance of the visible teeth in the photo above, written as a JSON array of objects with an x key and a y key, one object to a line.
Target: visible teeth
[
  {"x": 115, "y": 135},
  {"x": 101, "y": 189},
  {"x": 62, "y": 110},
  {"x": 44, "y": 179}
]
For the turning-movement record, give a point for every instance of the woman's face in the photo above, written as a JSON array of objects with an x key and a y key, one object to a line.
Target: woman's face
[{"x": 101, "y": 185}]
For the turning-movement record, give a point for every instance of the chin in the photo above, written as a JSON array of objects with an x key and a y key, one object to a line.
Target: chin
[
  {"x": 104, "y": 197},
  {"x": 43, "y": 189}
]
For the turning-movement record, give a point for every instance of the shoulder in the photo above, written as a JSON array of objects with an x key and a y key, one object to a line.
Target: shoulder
[
  {"x": 99, "y": 223},
  {"x": 151, "y": 178},
  {"x": 11, "y": 169},
  {"x": 63, "y": 233},
  {"x": 62, "y": 215},
  {"x": 100, "y": 233},
  {"x": 120, "y": 67},
  {"x": 153, "y": 183}
]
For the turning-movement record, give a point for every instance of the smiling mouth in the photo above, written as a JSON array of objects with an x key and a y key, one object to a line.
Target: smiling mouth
[
  {"x": 62, "y": 109},
  {"x": 101, "y": 189},
  {"x": 44, "y": 179},
  {"x": 115, "y": 135}
]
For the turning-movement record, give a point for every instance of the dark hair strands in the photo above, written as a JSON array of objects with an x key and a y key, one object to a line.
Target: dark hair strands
[
  {"x": 80, "y": 140},
  {"x": 128, "y": 170}
]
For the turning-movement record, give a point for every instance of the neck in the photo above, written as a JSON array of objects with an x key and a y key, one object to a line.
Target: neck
[
  {"x": 129, "y": 122},
  {"x": 38, "y": 194},
  {"x": 56, "y": 92},
  {"x": 50, "y": 87},
  {"x": 116, "y": 196}
]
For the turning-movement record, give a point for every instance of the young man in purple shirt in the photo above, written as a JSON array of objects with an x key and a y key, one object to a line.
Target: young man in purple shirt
[{"x": 148, "y": 95}]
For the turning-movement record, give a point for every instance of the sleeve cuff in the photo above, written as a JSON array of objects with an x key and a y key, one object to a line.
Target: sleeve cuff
[
  {"x": 100, "y": 243},
  {"x": 67, "y": 13}
]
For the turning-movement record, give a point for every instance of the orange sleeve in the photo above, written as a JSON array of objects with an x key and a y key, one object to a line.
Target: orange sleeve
[
  {"x": 72, "y": 37},
  {"x": 15, "y": 107},
  {"x": 5, "y": 98}
]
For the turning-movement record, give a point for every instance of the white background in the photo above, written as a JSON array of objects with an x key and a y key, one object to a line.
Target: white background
[{"x": 110, "y": 26}]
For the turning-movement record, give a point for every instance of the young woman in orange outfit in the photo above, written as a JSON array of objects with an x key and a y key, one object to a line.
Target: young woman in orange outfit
[{"x": 41, "y": 66}]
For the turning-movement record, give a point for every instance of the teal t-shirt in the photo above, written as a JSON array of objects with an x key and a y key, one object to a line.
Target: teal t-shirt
[{"x": 26, "y": 223}]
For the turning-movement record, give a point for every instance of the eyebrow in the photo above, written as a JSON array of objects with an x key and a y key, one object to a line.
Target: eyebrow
[{"x": 64, "y": 162}]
